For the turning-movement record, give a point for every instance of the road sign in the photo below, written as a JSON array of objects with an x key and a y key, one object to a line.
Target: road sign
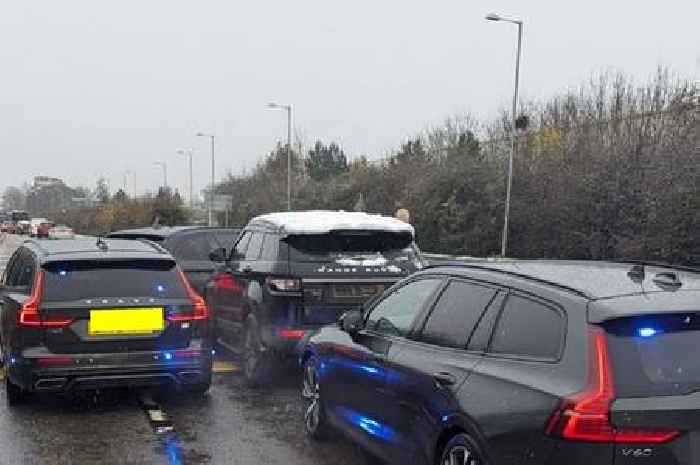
[{"x": 222, "y": 202}]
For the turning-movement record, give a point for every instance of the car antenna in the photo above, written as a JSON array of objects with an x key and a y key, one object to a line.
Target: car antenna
[{"x": 101, "y": 244}]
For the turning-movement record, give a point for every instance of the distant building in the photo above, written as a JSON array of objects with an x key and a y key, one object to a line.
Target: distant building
[{"x": 46, "y": 181}]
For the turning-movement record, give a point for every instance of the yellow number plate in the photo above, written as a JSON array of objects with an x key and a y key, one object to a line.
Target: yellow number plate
[{"x": 125, "y": 321}]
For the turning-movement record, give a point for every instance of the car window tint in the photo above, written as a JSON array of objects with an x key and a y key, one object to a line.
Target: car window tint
[
  {"x": 242, "y": 245},
  {"x": 395, "y": 314},
  {"x": 193, "y": 247},
  {"x": 528, "y": 328},
  {"x": 25, "y": 270},
  {"x": 12, "y": 269},
  {"x": 254, "y": 247},
  {"x": 270, "y": 248},
  {"x": 226, "y": 239},
  {"x": 456, "y": 313}
]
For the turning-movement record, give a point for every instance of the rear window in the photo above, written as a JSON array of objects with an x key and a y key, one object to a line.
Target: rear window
[
  {"x": 655, "y": 355},
  {"x": 356, "y": 248},
  {"x": 66, "y": 281}
]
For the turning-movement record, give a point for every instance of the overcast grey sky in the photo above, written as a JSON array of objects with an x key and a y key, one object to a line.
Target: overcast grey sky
[{"x": 97, "y": 87}]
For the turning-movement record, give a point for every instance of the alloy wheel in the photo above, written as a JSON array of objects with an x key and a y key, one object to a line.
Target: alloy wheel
[
  {"x": 312, "y": 398},
  {"x": 461, "y": 455}
]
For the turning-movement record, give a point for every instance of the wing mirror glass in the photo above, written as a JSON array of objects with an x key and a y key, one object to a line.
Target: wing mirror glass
[
  {"x": 351, "y": 321},
  {"x": 218, "y": 255}
]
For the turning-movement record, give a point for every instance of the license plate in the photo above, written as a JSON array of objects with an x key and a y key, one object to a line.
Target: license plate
[{"x": 125, "y": 321}]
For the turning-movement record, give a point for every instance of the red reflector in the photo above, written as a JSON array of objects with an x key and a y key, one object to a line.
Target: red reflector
[
  {"x": 291, "y": 333},
  {"x": 586, "y": 416},
  {"x": 54, "y": 361},
  {"x": 191, "y": 353}
]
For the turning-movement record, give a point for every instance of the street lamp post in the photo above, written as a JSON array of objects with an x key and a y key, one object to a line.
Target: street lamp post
[
  {"x": 211, "y": 189},
  {"x": 513, "y": 137},
  {"x": 188, "y": 153},
  {"x": 165, "y": 172},
  {"x": 288, "y": 108}
]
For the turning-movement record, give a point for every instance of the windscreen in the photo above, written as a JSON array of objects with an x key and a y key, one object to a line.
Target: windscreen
[
  {"x": 79, "y": 280},
  {"x": 655, "y": 355},
  {"x": 356, "y": 249}
]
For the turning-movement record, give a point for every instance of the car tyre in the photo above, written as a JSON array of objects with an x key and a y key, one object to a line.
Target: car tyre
[
  {"x": 462, "y": 449},
  {"x": 256, "y": 363},
  {"x": 316, "y": 423},
  {"x": 15, "y": 395}
]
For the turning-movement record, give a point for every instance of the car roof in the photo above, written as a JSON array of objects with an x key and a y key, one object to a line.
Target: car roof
[
  {"x": 165, "y": 231},
  {"x": 589, "y": 278},
  {"x": 325, "y": 221},
  {"x": 87, "y": 248}
]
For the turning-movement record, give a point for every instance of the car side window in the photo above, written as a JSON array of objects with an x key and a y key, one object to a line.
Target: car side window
[
  {"x": 270, "y": 248},
  {"x": 10, "y": 269},
  {"x": 24, "y": 271},
  {"x": 394, "y": 315},
  {"x": 242, "y": 244},
  {"x": 193, "y": 247},
  {"x": 254, "y": 247},
  {"x": 456, "y": 313},
  {"x": 528, "y": 328}
]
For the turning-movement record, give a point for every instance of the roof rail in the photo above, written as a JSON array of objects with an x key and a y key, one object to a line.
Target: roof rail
[
  {"x": 694, "y": 269},
  {"x": 485, "y": 266}
]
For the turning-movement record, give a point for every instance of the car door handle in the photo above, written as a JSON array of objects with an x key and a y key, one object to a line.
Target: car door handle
[{"x": 444, "y": 378}]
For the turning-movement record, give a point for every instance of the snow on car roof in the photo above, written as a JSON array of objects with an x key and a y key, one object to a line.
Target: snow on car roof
[{"x": 324, "y": 221}]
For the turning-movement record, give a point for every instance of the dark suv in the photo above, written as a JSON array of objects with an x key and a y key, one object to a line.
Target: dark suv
[
  {"x": 190, "y": 245},
  {"x": 517, "y": 363},
  {"x": 86, "y": 313},
  {"x": 290, "y": 273}
]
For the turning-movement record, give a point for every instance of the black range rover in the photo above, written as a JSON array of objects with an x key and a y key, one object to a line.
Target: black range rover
[{"x": 290, "y": 273}]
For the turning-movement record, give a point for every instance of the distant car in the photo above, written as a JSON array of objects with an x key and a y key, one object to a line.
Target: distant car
[
  {"x": 61, "y": 232},
  {"x": 190, "y": 245},
  {"x": 526, "y": 362},
  {"x": 34, "y": 224},
  {"x": 291, "y": 273},
  {"x": 44, "y": 229},
  {"x": 89, "y": 314},
  {"x": 23, "y": 227}
]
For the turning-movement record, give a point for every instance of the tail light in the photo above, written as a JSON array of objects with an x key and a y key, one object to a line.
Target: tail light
[
  {"x": 29, "y": 312},
  {"x": 224, "y": 282},
  {"x": 200, "y": 311},
  {"x": 586, "y": 416},
  {"x": 284, "y": 284}
]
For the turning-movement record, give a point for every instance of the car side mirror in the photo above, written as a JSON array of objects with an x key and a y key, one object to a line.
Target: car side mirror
[
  {"x": 351, "y": 321},
  {"x": 218, "y": 255}
]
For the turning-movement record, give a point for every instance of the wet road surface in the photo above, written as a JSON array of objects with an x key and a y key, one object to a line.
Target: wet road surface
[{"x": 233, "y": 424}]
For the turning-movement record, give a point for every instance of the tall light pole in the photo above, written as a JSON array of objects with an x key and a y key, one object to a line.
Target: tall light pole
[
  {"x": 188, "y": 153},
  {"x": 163, "y": 165},
  {"x": 513, "y": 135},
  {"x": 211, "y": 189},
  {"x": 289, "y": 149}
]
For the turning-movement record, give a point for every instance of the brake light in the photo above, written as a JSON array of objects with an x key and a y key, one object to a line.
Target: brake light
[
  {"x": 284, "y": 284},
  {"x": 291, "y": 333},
  {"x": 224, "y": 282},
  {"x": 200, "y": 311},
  {"x": 586, "y": 416},
  {"x": 29, "y": 312}
]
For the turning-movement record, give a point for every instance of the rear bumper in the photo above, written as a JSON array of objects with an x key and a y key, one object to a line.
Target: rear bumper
[{"x": 110, "y": 370}]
